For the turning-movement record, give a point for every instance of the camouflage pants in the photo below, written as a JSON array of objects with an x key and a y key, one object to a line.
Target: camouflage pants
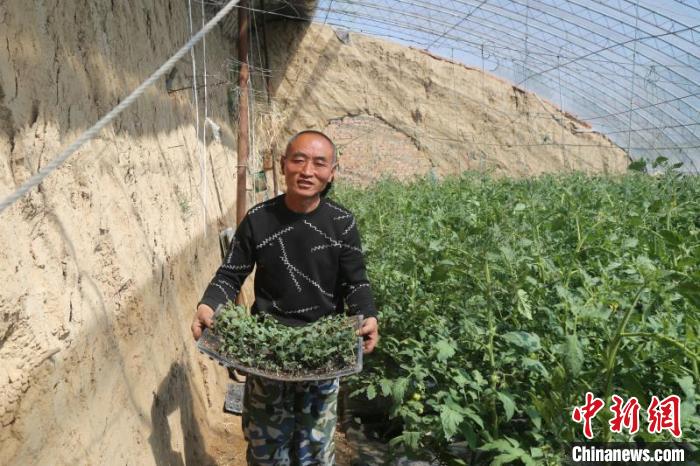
[{"x": 289, "y": 423}]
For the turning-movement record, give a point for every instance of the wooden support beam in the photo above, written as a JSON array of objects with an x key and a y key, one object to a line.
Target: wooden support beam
[
  {"x": 243, "y": 75},
  {"x": 268, "y": 92}
]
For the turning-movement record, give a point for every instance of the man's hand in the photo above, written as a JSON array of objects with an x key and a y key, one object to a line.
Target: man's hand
[
  {"x": 370, "y": 332},
  {"x": 204, "y": 317}
]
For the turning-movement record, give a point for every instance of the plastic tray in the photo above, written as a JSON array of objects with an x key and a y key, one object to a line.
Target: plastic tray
[{"x": 209, "y": 344}]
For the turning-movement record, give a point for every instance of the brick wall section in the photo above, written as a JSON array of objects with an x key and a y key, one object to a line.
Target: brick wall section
[{"x": 371, "y": 149}]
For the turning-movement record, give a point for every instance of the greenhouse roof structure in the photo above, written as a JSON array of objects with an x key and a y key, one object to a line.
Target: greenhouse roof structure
[{"x": 628, "y": 68}]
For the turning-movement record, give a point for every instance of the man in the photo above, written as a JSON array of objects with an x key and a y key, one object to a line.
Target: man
[{"x": 309, "y": 258}]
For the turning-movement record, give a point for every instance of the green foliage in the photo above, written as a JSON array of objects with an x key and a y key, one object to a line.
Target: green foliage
[
  {"x": 261, "y": 342},
  {"x": 503, "y": 301}
]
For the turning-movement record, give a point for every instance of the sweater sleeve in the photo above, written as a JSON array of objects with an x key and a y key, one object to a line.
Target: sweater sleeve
[
  {"x": 237, "y": 265},
  {"x": 358, "y": 293}
]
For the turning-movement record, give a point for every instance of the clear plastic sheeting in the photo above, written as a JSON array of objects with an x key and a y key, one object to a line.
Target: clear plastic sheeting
[{"x": 628, "y": 68}]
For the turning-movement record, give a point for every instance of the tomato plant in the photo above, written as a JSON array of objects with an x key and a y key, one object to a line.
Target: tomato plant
[{"x": 504, "y": 301}]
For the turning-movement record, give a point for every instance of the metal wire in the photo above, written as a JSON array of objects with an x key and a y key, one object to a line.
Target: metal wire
[
  {"x": 583, "y": 93},
  {"x": 657, "y": 44},
  {"x": 586, "y": 52},
  {"x": 109, "y": 117}
]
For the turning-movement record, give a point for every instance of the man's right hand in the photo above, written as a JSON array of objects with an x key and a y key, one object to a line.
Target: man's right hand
[{"x": 204, "y": 317}]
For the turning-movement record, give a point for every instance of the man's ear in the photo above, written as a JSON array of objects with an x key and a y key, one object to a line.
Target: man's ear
[{"x": 335, "y": 169}]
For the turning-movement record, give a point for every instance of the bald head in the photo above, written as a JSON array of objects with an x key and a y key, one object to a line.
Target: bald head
[
  {"x": 314, "y": 137},
  {"x": 309, "y": 165}
]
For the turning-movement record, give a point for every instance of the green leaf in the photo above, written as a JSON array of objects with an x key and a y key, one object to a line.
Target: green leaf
[
  {"x": 460, "y": 380},
  {"x": 505, "y": 458},
  {"x": 473, "y": 416},
  {"x": 691, "y": 292},
  {"x": 504, "y": 444},
  {"x": 469, "y": 435},
  {"x": 385, "y": 385},
  {"x": 410, "y": 439},
  {"x": 445, "y": 350},
  {"x": 528, "y": 341},
  {"x": 435, "y": 245},
  {"x": 638, "y": 166},
  {"x": 687, "y": 385},
  {"x": 534, "y": 365},
  {"x": 630, "y": 243},
  {"x": 659, "y": 161},
  {"x": 510, "y": 451},
  {"x": 524, "y": 305},
  {"x": 450, "y": 419},
  {"x": 478, "y": 378},
  {"x": 371, "y": 392},
  {"x": 508, "y": 404},
  {"x": 671, "y": 237},
  {"x": 574, "y": 354},
  {"x": 399, "y": 389},
  {"x": 534, "y": 416}
]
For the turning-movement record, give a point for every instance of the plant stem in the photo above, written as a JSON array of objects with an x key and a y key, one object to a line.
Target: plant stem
[
  {"x": 578, "y": 235},
  {"x": 694, "y": 357},
  {"x": 492, "y": 358},
  {"x": 615, "y": 346}
]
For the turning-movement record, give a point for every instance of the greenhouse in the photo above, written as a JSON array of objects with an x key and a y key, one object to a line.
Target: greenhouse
[
  {"x": 627, "y": 68},
  {"x": 352, "y": 232}
]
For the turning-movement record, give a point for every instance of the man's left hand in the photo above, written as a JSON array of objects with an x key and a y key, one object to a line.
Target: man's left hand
[{"x": 370, "y": 332}]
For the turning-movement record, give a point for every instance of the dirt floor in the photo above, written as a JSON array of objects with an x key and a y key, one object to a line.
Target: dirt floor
[{"x": 228, "y": 448}]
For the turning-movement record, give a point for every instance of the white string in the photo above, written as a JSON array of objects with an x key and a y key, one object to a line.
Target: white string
[
  {"x": 123, "y": 105},
  {"x": 204, "y": 124},
  {"x": 202, "y": 175},
  {"x": 194, "y": 73}
]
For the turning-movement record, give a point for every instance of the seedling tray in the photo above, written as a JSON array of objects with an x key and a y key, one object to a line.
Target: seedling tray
[{"x": 209, "y": 344}]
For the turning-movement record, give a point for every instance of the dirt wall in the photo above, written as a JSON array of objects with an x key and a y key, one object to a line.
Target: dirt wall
[
  {"x": 381, "y": 98},
  {"x": 103, "y": 264}
]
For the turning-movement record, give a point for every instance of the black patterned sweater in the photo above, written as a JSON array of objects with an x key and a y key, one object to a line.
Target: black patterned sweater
[{"x": 307, "y": 263}]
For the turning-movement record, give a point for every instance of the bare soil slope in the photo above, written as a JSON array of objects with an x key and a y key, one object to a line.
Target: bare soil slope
[
  {"x": 103, "y": 264},
  {"x": 403, "y": 112}
]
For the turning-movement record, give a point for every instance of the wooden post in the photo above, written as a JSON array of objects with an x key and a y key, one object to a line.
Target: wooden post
[
  {"x": 266, "y": 78},
  {"x": 243, "y": 74}
]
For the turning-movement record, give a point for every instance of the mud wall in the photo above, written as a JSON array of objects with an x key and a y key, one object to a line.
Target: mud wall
[
  {"x": 380, "y": 98},
  {"x": 103, "y": 264}
]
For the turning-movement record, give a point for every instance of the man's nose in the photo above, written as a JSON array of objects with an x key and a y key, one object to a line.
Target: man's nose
[{"x": 308, "y": 168}]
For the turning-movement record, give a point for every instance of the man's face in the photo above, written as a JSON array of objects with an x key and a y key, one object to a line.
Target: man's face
[{"x": 308, "y": 165}]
